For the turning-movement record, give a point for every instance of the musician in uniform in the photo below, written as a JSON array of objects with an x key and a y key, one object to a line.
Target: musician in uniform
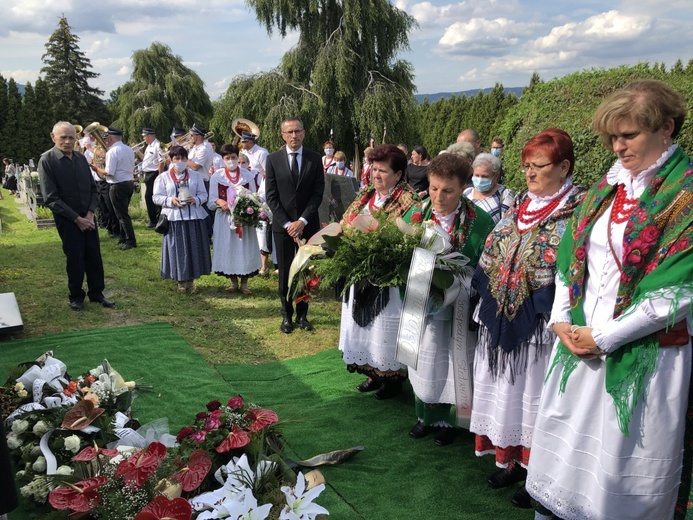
[
  {"x": 150, "y": 169},
  {"x": 70, "y": 193},
  {"x": 200, "y": 159},
  {"x": 119, "y": 168}
]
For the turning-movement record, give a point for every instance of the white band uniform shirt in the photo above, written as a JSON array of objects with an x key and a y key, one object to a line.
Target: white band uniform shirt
[
  {"x": 202, "y": 154},
  {"x": 120, "y": 163},
  {"x": 152, "y": 157}
]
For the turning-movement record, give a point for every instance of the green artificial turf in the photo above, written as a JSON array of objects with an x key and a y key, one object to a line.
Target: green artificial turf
[{"x": 394, "y": 477}]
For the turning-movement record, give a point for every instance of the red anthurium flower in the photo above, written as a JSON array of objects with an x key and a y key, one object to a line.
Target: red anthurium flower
[
  {"x": 236, "y": 439},
  {"x": 192, "y": 475},
  {"x": 81, "y": 496},
  {"x": 81, "y": 415},
  {"x": 90, "y": 453},
  {"x": 161, "y": 508},
  {"x": 260, "y": 418},
  {"x": 137, "y": 469}
]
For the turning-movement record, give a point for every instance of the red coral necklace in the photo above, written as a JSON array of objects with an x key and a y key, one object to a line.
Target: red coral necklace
[
  {"x": 532, "y": 217},
  {"x": 623, "y": 206},
  {"x": 233, "y": 179}
]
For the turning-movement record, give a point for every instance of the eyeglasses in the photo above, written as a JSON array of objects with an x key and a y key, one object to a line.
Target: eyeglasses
[
  {"x": 534, "y": 167},
  {"x": 293, "y": 132}
]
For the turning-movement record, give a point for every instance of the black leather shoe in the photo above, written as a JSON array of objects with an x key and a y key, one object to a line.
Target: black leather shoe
[
  {"x": 369, "y": 385},
  {"x": 507, "y": 476},
  {"x": 522, "y": 499},
  {"x": 445, "y": 436},
  {"x": 125, "y": 247},
  {"x": 76, "y": 306},
  {"x": 105, "y": 302},
  {"x": 287, "y": 327},
  {"x": 419, "y": 431},
  {"x": 304, "y": 323},
  {"x": 389, "y": 390}
]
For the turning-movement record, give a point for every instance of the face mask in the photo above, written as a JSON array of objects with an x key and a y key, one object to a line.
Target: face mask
[
  {"x": 231, "y": 165},
  {"x": 481, "y": 184},
  {"x": 496, "y": 151},
  {"x": 329, "y": 151},
  {"x": 180, "y": 166},
  {"x": 340, "y": 164}
]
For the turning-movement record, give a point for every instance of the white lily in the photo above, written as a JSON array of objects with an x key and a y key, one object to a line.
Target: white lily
[
  {"x": 299, "y": 502},
  {"x": 244, "y": 508}
]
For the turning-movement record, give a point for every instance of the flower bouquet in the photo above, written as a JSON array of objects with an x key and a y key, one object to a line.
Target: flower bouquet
[{"x": 246, "y": 208}]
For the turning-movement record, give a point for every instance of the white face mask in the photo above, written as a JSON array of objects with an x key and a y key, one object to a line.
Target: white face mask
[
  {"x": 180, "y": 166},
  {"x": 329, "y": 152},
  {"x": 232, "y": 164}
]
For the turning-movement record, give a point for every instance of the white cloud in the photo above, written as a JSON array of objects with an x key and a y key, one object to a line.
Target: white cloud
[
  {"x": 123, "y": 71},
  {"x": 480, "y": 37},
  {"x": 21, "y": 76}
]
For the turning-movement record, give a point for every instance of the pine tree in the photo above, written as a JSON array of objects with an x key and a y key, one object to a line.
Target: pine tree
[
  {"x": 3, "y": 103},
  {"x": 41, "y": 141},
  {"x": 27, "y": 120},
  {"x": 9, "y": 141},
  {"x": 67, "y": 73},
  {"x": 343, "y": 74},
  {"x": 161, "y": 93}
]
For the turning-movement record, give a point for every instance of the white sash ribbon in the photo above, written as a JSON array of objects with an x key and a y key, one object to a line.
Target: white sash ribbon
[{"x": 463, "y": 347}]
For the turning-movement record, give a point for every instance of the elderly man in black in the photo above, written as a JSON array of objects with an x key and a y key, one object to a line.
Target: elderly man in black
[{"x": 70, "y": 193}]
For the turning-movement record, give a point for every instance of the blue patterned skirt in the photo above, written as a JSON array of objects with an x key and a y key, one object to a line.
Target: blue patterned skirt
[{"x": 185, "y": 250}]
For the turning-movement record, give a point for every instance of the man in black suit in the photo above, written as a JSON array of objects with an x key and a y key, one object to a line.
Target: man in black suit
[
  {"x": 69, "y": 191},
  {"x": 294, "y": 186}
]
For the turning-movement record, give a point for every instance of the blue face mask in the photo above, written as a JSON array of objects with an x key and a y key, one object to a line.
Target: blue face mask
[
  {"x": 496, "y": 151},
  {"x": 340, "y": 164},
  {"x": 481, "y": 184}
]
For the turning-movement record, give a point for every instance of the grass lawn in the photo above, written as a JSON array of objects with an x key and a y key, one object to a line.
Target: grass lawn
[{"x": 224, "y": 328}]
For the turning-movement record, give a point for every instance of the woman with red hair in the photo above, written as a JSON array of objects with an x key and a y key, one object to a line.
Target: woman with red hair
[{"x": 515, "y": 280}]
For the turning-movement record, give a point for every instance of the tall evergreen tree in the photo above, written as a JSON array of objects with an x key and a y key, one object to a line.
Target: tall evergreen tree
[
  {"x": 162, "y": 93},
  {"x": 3, "y": 103},
  {"x": 9, "y": 141},
  {"x": 343, "y": 74},
  {"x": 67, "y": 73},
  {"x": 41, "y": 141},
  {"x": 27, "y": 122}
]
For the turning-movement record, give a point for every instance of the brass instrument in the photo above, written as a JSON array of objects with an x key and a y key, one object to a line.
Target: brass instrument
[
  {"x": 139, "y": 146},
  {"x": 78, "y": 136},
  {"x": 240, "y": 125},
  {"x": 97, "y": 130},
  {"x": 185, "y": 140}
]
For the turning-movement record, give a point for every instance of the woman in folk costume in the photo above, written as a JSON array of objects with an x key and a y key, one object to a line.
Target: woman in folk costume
[
  {"x": 609, "y": 436},
  {"x": 328, "y": 159},
  {"x": 515, "y": 281},
  {"x": 370, "y": 315},
  {"x": 339, "y": 166},
  {"x": 466, "y": 226},
  {"x": 236, "y": 250},
  {"x": 181, "y": 194}
]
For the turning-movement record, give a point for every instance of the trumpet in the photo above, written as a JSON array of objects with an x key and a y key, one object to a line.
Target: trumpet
[
  {"x": 139, "y": 146},
  {"x": 97, "y": 130}
]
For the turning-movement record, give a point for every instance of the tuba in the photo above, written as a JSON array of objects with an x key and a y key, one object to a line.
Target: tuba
[
  {"x": 240, "y": 125},
  {"x": 78, "y": 135},
  {"x": 97, "y": 130}
]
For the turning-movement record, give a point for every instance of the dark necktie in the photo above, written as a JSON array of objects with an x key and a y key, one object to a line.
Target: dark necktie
[{"x": 294, "y": 166}]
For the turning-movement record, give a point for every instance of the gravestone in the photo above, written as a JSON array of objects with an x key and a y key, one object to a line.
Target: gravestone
[{"x": 339, "y": 193}]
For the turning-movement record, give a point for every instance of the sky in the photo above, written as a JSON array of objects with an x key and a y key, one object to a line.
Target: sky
[{"x": 457, "y": 45}]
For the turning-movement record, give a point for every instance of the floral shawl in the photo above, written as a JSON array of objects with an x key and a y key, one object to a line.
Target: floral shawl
[
  {"x": 657, "y": 262},
  {"x": 397, "y": 204},
  {"x": 468, "y": 233},
  {"x": 515, "y": 279}
]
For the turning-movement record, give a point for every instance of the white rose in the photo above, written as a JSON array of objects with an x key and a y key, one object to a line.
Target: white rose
[
  {"x": 20, "y": 475},
  {"x": 40, "y": 465},
  {"x": 72, "y": 443},
  {"x": 13, "y": 442},
  {"x": 20, "y": 426},
  {"x": 35, "y": 451},
  {"x": 40, "y": 428},
  {"x": 64, "y": 470}
]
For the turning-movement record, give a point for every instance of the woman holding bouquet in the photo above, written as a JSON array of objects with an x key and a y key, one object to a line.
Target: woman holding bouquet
[
  {"x": 515, "y": 280},
  {"x": 370, "y": 315},
  {"x": 609, "y": 437},
  {"x": 236, "y": 249},
  {"x": 181, "y": 194},
  {"x": 466, "y": 227}
]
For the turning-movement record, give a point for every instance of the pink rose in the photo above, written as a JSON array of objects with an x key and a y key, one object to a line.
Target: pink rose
[
  {"x": 249, "y": 210},
  {"x": 235, "y": 402},
  {"x": 199, "y": 436},
  {"x": 213, "y": 424}
]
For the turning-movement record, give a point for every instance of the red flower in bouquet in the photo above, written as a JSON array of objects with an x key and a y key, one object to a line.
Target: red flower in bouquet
[
  {"x": 90, "y": 453},
  {"x": 71, "y": 388},
  {"x": 201, "y": 415},
  {"x": 138, "y": 468},
  {"x": 213, "y": 405},
  {"x": 184, "y": 433},
  {"x": 199, "y": 436},
  {"x": 237, "y": 438},
  {"x": 235, "y": 402},
  {"x": 81, "y": 496},
  {"x": 260, "y": 417},
  {"x": 417, "y": 217},
  {"x": 192, "y": 475},
  {"x": 81, "y": 415},
  {"x": 162, "y": 508}
]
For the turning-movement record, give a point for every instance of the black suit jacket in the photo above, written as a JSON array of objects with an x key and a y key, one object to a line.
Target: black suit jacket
[{"x": 288, "y": 201}]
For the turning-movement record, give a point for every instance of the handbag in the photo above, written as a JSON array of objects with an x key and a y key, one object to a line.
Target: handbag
[{"x": 162, "y": 224}]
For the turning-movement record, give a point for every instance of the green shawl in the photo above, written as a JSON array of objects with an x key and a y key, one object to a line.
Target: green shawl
[{"x": 657, "y": 263}]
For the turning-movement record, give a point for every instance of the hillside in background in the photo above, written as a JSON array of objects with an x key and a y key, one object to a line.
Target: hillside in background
[{"x": 432, "y": 98}]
